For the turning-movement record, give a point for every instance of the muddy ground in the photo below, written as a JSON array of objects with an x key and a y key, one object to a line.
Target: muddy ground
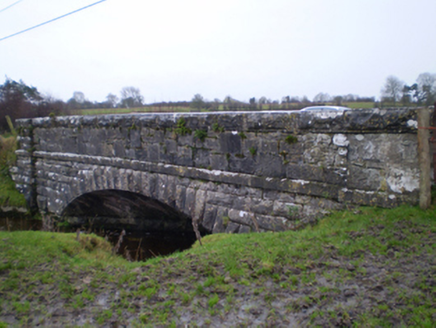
[{"x": 396, "y": 288}]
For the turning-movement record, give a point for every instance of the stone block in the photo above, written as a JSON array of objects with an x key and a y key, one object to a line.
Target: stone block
[
  {"x": 230, "y": 142},
  {"x": 200, "y": 202},
  {"x": 229, "y": 121},
  {"x": 181, "y": 198},
  {"x": 245, "y": 229},
  {"x": 238, "y": 190},
  {"x": 170, "y": 191},
  {"x": 402, "y": 179},
  {"x": 118, "y": 179},
  {"x": 269, "y": 144},
  {"x": 331, "y": 175},
  {"x": 218, "y": 226},
  {"x": 201, "y": 158},
  {"x": 376, "y": 149},
  {"x": 232, "y": 227},
  {"x": 270, "y": 223},
  {"x": 221, "y": 199},
  {"x": 184, "y": 156},
  {"x": 260, "y": 206},
  {"x": 211, "y": 143},
  {"x": 364, "y": 178},
  {"x": 135, "y": 138},
  {"x": 190, "y": 201},
  {"x": 320, "y": 154},
  {"x": 170, "y": 146},
  {"x": 153, "y": 152},
  {"x": 240, "y": 217},
  {"x": 241, "y": 163},
  {"x": 210, "y": 213},
  {"x": 186, "y": 140},
  {"x": 241, "y": 203},
  {"x": 288, "y": 210},
  {"x": 270, "y": 166},
  {"x": 119, "y": 149},
  {"x": 153, "y": 186},
  {"x": 279, "y": 196},
  {"x": 130, "y": 153},
  {"x": 219, "y": 162},
  {"x": 294, "y": 149}
]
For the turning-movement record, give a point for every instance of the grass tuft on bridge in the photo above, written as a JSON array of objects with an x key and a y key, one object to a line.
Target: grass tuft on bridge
[{"x": 369, "y": 267}]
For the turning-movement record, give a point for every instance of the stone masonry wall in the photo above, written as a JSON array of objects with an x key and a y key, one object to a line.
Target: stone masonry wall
[{"x": 233, "y": 172}]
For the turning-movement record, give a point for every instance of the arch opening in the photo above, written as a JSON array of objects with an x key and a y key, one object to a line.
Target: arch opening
[{"x": 119, "y": 209}]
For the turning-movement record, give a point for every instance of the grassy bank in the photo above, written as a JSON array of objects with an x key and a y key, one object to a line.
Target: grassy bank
[
  {"x": 9, "y": 196},
  {"x": 373, "y": 267}
]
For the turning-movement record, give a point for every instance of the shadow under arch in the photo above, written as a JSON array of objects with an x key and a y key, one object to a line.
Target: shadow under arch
[{"x": 115, "y": 209}]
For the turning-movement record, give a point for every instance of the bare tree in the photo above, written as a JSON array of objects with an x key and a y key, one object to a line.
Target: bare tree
[
  {"x": 392, "y": 89},
  {"x": 79, "y": 97},
  {"x": 112, "y": 99},
  {"x": 263, "y": 100},
  {"x": 305, "y": 101},
  {"x": 79, "y": 101},
  {"x": 131, "y": 97},
  {"x": 321, "y": 97},
  {"x": 426, "y": 88},
  {"x": 350, "y": 97}
]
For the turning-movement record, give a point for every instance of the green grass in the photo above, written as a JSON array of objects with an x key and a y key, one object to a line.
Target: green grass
[
  {"x": 208, "y": 282},
  {"x": 9, "y": 196},
  {"x": 359, "y": 104}
]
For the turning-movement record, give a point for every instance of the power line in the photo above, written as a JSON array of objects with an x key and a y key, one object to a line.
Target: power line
[
  {"x": 51, "y": 20},
  {"x": 6, "y": 8}
]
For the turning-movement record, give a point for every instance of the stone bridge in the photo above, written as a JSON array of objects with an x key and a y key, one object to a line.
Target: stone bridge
[{"x": 226, "y": 171}]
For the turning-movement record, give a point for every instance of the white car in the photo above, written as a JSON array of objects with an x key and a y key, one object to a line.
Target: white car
[{"x": 324, "y": 108}]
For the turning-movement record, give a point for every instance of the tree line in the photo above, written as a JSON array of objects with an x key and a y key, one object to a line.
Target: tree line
[
  {"x": 18, "y": 100},
  {"x": 286, "y": 103},
  {"x": 422, "y": 92}
]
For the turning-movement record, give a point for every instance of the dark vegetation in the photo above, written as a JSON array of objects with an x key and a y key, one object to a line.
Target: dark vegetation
[{"x": 17, "y": 100}]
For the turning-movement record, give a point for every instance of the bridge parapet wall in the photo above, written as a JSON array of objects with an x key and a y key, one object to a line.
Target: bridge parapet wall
[{"x": 231, "y": 171}]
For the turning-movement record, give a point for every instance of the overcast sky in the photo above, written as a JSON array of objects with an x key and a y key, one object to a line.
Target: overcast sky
[{"x": 173, "y": 49}]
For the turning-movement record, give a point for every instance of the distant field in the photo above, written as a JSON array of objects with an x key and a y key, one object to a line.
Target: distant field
[
  {"x": 371, "y": 104},
  {"x": 359, "y": 104},
  {"x": 151, "y": 109}
]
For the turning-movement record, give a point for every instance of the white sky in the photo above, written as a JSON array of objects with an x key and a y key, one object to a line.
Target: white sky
[{"x": 173, "y": 49}]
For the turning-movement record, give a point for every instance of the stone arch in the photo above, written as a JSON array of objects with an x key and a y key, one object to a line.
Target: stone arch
[
  {"x": 73, "y": 192},
  {"x": 131, "y": 210}
]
